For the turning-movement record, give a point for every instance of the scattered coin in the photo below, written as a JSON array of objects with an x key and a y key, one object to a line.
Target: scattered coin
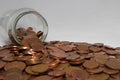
[
  {"x": 40, "y": 68},
  {"x": 57, "y": 73},
  {"x": 15, "y": 64},
  {"x": 113, "y": 63},
  {"x": 90, "y": 64}
]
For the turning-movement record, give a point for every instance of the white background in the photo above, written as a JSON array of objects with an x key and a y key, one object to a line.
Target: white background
[{"x": 76, "y": 20}]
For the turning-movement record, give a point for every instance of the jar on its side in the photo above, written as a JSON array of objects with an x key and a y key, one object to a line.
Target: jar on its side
[{"x": 24, "y": 17}]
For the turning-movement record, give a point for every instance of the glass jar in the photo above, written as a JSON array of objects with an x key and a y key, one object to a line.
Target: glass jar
[{"x": 24, "y": 17}]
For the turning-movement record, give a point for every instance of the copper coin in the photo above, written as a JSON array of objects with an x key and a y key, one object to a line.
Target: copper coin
[
  {"x": 90, "y": 64},
  {"x": 68, "y": 47},
  {"x": 62, "y": 66},
  {"x": 57, "y": 52},
  {"x": 57, "y": 73},
  {"x": 113, "y": 63},
  {"x": 83, "y": 46},
  {"x": 96, "y": 70},
  {"x": 4, "y": 53},
  {"x": 45, "y": 77},
  {"x": 101, "y": 58},
  {"x": 110, "y": 71},
  {"x": 101, "y": 76},
  {"x": 23, "y": 58},
  {"x": 98, "y": 44},
  {"x": 76, "y": 73},
  {"x": 32, "y": 61},
  {"x": 13, "y": 74},
  {"x": 111, "y": 52},
  {"x": 72, "y": 56},
  {"x": 26, "y": 76},
  {"x": 15, "y": 64},
  {"x": 40, "y": 68},
  {"x": 9, "y": 58},
  {"x": 95, "y": 49},
  {"x": 28, "y": 69},
  {"x": 59, "y": 78},
  {"x": 2, "y": 64}
]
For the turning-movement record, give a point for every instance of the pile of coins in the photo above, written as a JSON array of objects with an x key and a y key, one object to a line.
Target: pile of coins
[{"x": 58, "y": 60}]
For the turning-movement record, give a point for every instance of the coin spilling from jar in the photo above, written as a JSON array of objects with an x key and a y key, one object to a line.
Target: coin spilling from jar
[{"x": 57, "y": 60}]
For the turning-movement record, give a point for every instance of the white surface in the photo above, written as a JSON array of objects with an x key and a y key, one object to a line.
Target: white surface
[{"x": 76, "y": 20}]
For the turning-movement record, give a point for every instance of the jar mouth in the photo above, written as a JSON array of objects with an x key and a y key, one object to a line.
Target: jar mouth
[{"x": 21, "y": 13}]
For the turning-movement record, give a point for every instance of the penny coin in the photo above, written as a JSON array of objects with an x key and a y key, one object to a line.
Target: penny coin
[
  {"x": 15, "y": 64},
  {"x": 98, "y": 44},
  {"x": 26, "y": 76},
  {"x": 45, "y": 77},
  {"x": 40, "y": 68},
  {"x": 76, "y": 73},
  {"x": 110, "y": 71},
  {"x": 9, "y": 58},
  {"x": 101, "y": 76},
  {"x": 32, "y": 61},
  {"x": 57, "y": 73},
  {"x": 59, "y": 78},
  {"x": 90, "y": 64},
  {"x": 111, "y": 52},
  {"x": 23, "y": 58},
  {"x": 95, "y": 71},
  {"x": 100, "y": 58},
  {"x": 2, "y": 64},
  {"x": 72, "y": 56},
  {"x": 57, "y": 52},
  {"x": 28, "y": 69},
  {"x": 13, "y": 74},
  {"x": 113, "y": 63},
  {"x": 83, "y": 46},
  {"x": 95, "y": 49},
  {"x": 62, "y": 66},
  {"x": 4, "y": 53}
]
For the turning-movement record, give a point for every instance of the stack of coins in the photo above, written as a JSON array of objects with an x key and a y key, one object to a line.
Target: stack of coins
[{"x": 58, "y": 60}]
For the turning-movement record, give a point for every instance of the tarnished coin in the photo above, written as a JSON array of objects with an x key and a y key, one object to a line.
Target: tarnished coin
[
  {"x": 26, "y": 76},
  {"x": 57, "y": 52},
  {"x": 72, "y": 56},
  {"x": 28, "y": 69},
  {"x": 90, "y": 64},
  {"x": 23, "y": 58},
  {"x": 65, "y": 47},
  {"x": 101, "y": 58},
  {"x": 95, "y": 49},
  {"x": 96, "y": 70},
  {"x": 2, "y": 64},
  {"x": 101, "y": 76},
  {"x": 59, "y": 78},
  {"x": 113, "y": 63},
  {"x": 62, "y": 66},
  {"x": 15, "y": 64},
  {"x": 45, "y": 77},
  {"x": 32, "y": 61},
  {"x": 76, "y": 73},
  {"x": 4, "y": 53},
  {"x": 110, "y": 71},
  {"x": 13, "y": 74},
  {"x": 40, "y": 68},
  {"x": 9, "y": 58},
  {"x": 83, "y": 46},
  {"x": 111, "y": 52},
  {"x": 57, "y": 73},
  {"x": 98, "y": 44}
]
